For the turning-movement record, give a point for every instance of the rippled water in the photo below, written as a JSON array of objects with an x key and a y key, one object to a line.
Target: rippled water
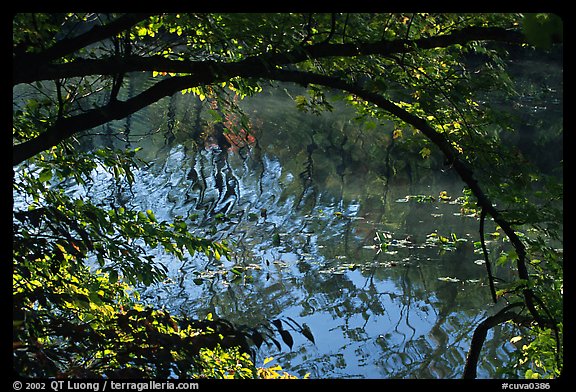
[{"x": 344, "y": 252}]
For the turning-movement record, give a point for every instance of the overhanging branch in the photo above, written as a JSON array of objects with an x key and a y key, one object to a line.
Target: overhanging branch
[
  {"x": 45, "y": 70},
  {"x": 479, "y": 336},
  {"x": 70, "y": 45},
  {"x": 115, "y": 110}
]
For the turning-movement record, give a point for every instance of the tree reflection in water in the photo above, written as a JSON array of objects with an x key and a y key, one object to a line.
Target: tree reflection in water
[{"x": 341, "y": 248}]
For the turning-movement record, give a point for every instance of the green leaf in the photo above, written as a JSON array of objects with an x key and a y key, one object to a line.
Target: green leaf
[
  {"x": 113, "y": 276},
  {"x": 150, "y": 215},
  {"x": 45, "y": 175},
  {"x": 425, "y": 152}
]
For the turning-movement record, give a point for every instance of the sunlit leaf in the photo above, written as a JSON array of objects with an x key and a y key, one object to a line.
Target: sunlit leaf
[
  {"x": 267, "y": 360},
  {"x": 425, "y": 152},
  {"x": 516, "y": 339}
]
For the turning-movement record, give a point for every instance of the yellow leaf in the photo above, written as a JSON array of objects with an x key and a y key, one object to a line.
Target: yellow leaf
[
  {"x": 515, "y": 339},
  {"x": 268, "y": 359},
  {"x": 397, "y": 133}
]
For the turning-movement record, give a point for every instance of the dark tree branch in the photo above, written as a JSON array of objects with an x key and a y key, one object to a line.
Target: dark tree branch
[
  {"x": 207, "y": 72},
  {"x": 110, "y": 66},
  {"x": 70, "y": 45},
  {"x": 308, "y": 30},
  {"x": 332, "y": 28},
  {"x": 64, "y": 128},
  {"x": 480, "y": 334}
]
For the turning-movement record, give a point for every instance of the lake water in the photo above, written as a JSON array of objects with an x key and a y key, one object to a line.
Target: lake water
[{"x": 344, "y": 249}]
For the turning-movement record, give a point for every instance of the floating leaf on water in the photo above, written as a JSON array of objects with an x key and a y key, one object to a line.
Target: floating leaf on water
[
  {"x": 449, "y": 279},
  {"x": 236, "y": 279},
  {"x": 444, "y": 196},
  {"x": 236, "y": 270}
]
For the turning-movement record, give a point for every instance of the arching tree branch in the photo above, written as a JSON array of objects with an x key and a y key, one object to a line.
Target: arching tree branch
[{"x": 451, "y": 155}]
